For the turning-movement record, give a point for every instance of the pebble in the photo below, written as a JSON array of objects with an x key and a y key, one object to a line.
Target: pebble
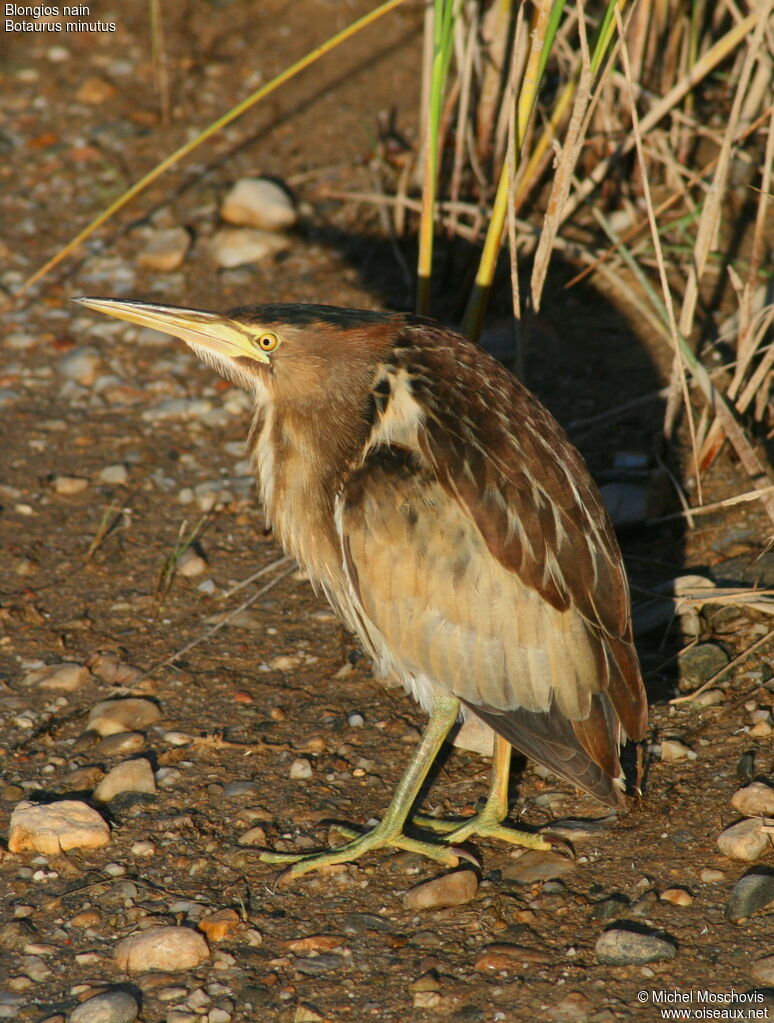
[
  {"x": 254, "y": 836},
  {"x": 240, "y": 246},
  {"x": 82, "y": 365},
  {"x": 56, "y": 827},
  {"x": 538, "y": 865},
  {"x": 112, "y": 670},
  {"x": 190, "y": 564},
  {"x": 502, "y": 956},
  {"x": 699, "y": 663},
  {"x": 763, "y": 970},
  {"x": 62, "y": 678},
  {"x": 610, "y": 908},
  {"x": 673, "y": 749},
  {"x": 114, "y": 1006},
  {"x": 300, "y": 770},
  {"x": 315, "y": 966},
  {"x": 259, "y": 202},
  {"x": 573, "y": 1008},
  {"x": 143, "y": 848},
  {"x": 114, "y": 474},
  {"x": 123, "y": 715},
  {"x": 709, "y": 875},
  {"x": 709, "y": 698},
  {"x": 119, "y": 744},
  {"x": 161, "y": 948},
  {"x": 676, "y": 897},
  {"x": 130, "y": 776},
  {"x": 744, "y": 841},
  {"x": 69, "y": 486},
  {"x": 166, "y": 250},
  {"x": 219, "y": 925},
  {"x": 621, "y": 947},
  {"x": 756, "y": 798},
  {"x": 752, "y": 892},
  {"x": 452, "y": 889}
]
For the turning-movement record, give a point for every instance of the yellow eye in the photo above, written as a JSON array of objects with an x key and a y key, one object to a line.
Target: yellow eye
[{"x": 267, "y": 342}]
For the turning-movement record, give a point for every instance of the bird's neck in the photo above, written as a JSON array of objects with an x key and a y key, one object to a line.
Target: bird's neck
[{"x": 301, "y": 462}]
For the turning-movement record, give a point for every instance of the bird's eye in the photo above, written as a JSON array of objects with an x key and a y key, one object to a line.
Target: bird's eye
[{"x": 267, "y": 341}]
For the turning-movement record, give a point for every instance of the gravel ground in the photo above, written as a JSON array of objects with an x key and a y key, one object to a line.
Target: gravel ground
[{"x": 119, "y": 447}]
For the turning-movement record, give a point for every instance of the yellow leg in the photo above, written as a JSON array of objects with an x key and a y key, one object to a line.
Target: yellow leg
[
  {"x": 389, "y": 833},
  {"x": 489, "y": 823}
]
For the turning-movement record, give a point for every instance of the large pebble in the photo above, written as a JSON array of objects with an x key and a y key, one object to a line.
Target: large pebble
[
  {"x": 673, "y": 749},
  {"x": 114, "y": 1006},
  {"x": 115, "y": 474},
  {"x": 752, "y": 892},
  {"x": 130, "y": 776},
  {"x": 756, "y": 798},
  {"x": 453, "y": 889},
  {"x": 166, "y": 250},
  {"x": 239, "y": 246},
  {"x": 746, "y": 840},
  {"x": 113, "y": 716},
  {"x": 56, "y": 827},
  {"x": 259, "y": 202},
  {"x": 61, "y": 678},
  {"x": 622, "y": 947},
  {"x": 504, "y": 956},
  {"x": 536, "y": 865},
  {"x": 190, "y": 564},
  {"x": 161, "y": 948},
  {"x": 120, "y": 745},
  {"x": 699, "y": 663},
  {"x": 83, "y": 365}
]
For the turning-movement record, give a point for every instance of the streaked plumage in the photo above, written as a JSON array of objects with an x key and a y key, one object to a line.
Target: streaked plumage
[{"x": 446, "y": 516}]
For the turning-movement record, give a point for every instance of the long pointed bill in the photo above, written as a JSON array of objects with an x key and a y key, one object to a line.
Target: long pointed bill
[{"x": 211, "y": 331}]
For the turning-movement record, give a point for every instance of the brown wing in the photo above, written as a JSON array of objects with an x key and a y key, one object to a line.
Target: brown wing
[{"x": 484, "y": 564}]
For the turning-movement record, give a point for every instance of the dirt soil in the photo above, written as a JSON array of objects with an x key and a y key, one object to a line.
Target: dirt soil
[{"x": 84, "y": 575}]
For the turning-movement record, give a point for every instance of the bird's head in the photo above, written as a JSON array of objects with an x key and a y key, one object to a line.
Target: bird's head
[{"x": 291, "y": 354}]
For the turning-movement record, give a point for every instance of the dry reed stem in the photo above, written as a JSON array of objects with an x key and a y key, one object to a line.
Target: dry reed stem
[{"x": 706, "y": 509}]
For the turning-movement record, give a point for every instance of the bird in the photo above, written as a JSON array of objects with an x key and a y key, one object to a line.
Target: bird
[{"x": 453, "y": 527}]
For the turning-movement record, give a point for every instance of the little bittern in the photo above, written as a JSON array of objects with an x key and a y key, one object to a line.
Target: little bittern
[{"x": 454, "y": 528}]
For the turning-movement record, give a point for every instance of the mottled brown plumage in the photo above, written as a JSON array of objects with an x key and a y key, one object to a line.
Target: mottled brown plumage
[{"x": 448, "y": 519}]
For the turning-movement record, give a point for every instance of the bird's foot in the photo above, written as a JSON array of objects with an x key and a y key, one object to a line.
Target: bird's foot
[
  {"x": 380, "y": 837},
  {"x": 485, "y": 824}
]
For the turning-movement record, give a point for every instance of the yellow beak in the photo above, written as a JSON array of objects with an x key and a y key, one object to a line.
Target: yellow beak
[{"x": 213, "y": 332}]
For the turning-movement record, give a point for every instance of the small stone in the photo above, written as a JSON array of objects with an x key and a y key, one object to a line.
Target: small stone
[
  {"x": 130, "y": 776},
  {"x": 284, "y": 662},
  {"x": 608, "y": 909},
  {"x": 115, "y": 475},
  {"x": 753, "y": 891},
  {"x": 82, "y": 365},
  {"x": 56, "y": 827},
  {"x": 110, "y": 669},
  {"x": 240, "y": 246},
  {"x": 763, "y": 970},
  {"x": 88, "y": 918},
  {"x": 113, "y": 716},
  {"x": 760, "y": 730},
  {"x": 307, "y": 1014},
  {"x": 672, "y": 750},
  {"x": 753, "y": 799},
  {"x": 677, "y": 897},
  {"x": 317, "y": 965},
  {"x": 709, "y": 698},
  {"x": 61, "y": 678},
  {"x": 166, "y": 250},
  {"x": 537, "y": 865},
  {"x": 254, "y": 836},
  {"x": 168, "y": 949},
  {"x": 452, "y": 889},
  {"x": 314, "y": 943},
  {"x": 300, "y": 770},
  {"x": 144, "y": 848},
  {"x": 710, "y": 876},
  {"x": 219, "y": 925},
  {"x": 699, "y": 663},
  {"x": 474, "y": 735},
  {"x": 95, "y": 91},
  {"x": 502, "y": 956},
  {"x": 191, "y": 564},
  {"x": 746, "y": 840},
  {"x": 119, "y": 744},
  {"x": 573, "y": 1008},
  {"x": 259, "y": 202},
  {"x": 108, "y": 1007},
  {"x": 69, "y": 486},
  {"x": 355, "y": 721},
  {"x": 621, "y": 947}
]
